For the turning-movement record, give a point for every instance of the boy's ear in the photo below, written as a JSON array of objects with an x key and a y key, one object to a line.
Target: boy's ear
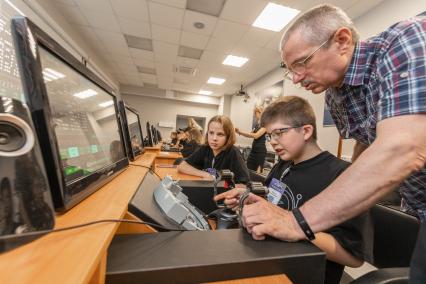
[{"x": 308, "y": 131}]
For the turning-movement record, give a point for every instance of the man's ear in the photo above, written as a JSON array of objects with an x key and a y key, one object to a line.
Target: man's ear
[
  {"x": 308, "y": 131},
  {"x": 343, "y": 37}
]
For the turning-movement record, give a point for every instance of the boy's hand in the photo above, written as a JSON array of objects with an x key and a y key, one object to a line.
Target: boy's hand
[
  {"x": 262, "y": 218},
  {"x": 232, "y": 196}
]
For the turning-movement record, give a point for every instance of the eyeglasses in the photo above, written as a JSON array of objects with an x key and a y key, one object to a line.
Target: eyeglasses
[
  {"x": 299, "y": 67},
  {"x": 276, "y": 133}
]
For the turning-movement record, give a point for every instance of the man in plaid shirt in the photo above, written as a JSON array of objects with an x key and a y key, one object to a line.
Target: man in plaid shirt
[{"x": 376, "y": 92}]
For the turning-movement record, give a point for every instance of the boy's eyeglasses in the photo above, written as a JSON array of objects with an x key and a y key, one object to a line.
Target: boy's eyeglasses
[{"x": 276, "y": 134}]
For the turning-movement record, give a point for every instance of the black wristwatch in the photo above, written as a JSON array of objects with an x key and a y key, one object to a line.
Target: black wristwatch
[{"x": 303, "y": 224}]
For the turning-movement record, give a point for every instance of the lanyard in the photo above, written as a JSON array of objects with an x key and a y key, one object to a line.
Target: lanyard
[
  {"x": 213, "y": 163},
  {"x": 285, "y": 172}
]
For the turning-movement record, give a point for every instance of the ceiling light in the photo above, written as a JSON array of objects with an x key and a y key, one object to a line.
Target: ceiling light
[
  {"x": 105, "y": 104},
  {"x": 204, "y": 92},
  {"x": 51, "y": 75},
  {"x": 199, "y": 25},
  {"x": 85, "y": 94},
  {"x": 275, "y": 17},
  {"x": 235, "y": 61},
  {"x": 216, "y": 81}
]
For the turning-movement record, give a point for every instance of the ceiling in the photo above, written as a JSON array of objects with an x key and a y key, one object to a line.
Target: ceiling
[{"x": 144, "y": 42}]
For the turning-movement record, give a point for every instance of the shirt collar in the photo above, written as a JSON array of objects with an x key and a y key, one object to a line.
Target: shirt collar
[{"x": 357, "y": 72}]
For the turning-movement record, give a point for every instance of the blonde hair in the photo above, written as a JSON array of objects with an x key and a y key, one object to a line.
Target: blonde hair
[
  {"x": 228, "y": 128},
  {"x": 195, "y": 134}
]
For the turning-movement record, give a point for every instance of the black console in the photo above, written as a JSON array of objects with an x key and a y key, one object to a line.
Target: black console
[{"x": 205, "y": 256}]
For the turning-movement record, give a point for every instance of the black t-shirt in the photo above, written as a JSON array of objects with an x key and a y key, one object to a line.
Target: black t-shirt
[
  {"x": 189, "y": 148},
  {"x": 307, "y": 179},
  {"x": 174, "y": 140},
  {"x": 230, "y": 159},
  {"x": 258, "y": 144}
]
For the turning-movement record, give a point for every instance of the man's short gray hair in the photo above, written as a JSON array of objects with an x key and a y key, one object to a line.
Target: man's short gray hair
[{"x": 319, "y": 23}]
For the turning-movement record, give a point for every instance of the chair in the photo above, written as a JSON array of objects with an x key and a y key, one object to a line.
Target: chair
[{"x": 395, "y": 234}]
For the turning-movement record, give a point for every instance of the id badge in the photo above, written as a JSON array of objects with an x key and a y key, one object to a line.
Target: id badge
[
  {"x": 212, "y": 171},
  {"x": 276, "y": 190}
]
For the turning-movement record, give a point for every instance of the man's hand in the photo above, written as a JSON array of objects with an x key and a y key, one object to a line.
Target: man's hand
[
  {"x": 262, "y": 218},
  {"x": 232, "y": 197}
]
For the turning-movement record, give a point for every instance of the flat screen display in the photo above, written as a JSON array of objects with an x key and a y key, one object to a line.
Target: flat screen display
[
  {"x": 136, "y": 137},
  {"x": 84, "y": 119}
]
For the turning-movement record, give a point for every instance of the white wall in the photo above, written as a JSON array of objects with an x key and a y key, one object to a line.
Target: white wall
[{"x": 155, "y": 110}]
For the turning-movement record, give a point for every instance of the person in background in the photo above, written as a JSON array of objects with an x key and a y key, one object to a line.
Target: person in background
[
  {"x": 195, "y": 140},
  {"x": 193, "y": 124},
  {"x": 257, "y": 155},
  {"x": 218, "y": 153},
  {"x": 303, "y": 171},
  {"x": 173, "y": 138}
]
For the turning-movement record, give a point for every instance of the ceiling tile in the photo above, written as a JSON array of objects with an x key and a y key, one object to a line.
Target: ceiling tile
[
  {"x": 209, "y": 7},
  {"x": 252, "y": 8},
  {"x": 146, "y": 70},
  {"x": 165, "y": 34},
  {"x": 193, "y": 40},
  {"x": 136, "y": 10},
  {"x": 165, "y": 52},
  {"x": 220, "y": 45},
  {"x": 257, "y": 37},
  {"x": 118, "y": 50},
  {"x": 96, "y": 6},
  {"x": 104, "y": 21},
  {"x": 148, "y": 78},
  {"x": 141, "y": 54},
  {"x": 144, "y": 62},
  {"x": 65, "y": 2},
  {"x": 229, "y": 31},
  {"x": 139, "y": 42},
  {"x": 187, "y": 62},
  {"x": 86, "y": 33},
  {"x": 113, "y": 38},
  {"x": 135, "y": 28},
  {"x": 165, "y": 15},
  {"x": 124, "y": 59},
  {"x": 245, "y": 50},
  {"x": 72, "y": 14},
  {"x": 127, "y": 68},
  {"x": 175, "y": 3},
  {"x": 212, "y": 57},
  {"x": 192, "y": 17},
  {"x": 275, "y": 42},
  {"x": 190, "y": 52}
]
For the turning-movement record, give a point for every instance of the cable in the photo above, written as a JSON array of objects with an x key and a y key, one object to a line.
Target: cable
[
  {"x": 150, "y": 170},
  {"x": 98, "y": 222}
]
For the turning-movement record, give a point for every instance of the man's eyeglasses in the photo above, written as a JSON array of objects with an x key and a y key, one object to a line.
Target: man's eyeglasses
[
  {"x": 299, "y": 67},
  {"x": 276, "y": 133}
]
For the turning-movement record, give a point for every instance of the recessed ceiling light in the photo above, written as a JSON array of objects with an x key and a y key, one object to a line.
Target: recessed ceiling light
[
  {"x": 85, "y": 94},
  {"x": 51, "y": 75},
  {"x": 235, "y": 61},
  {"x": 216, "y": 81},
  {"x": 275, "y": 17},
  {"x": 105, "y": 104},
  {"x": 204, "y": 92}
]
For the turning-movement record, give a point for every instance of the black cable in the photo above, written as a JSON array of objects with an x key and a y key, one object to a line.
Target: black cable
[
  {"x": 98, "y": 222},
  {"x": 150, "y": 170}
]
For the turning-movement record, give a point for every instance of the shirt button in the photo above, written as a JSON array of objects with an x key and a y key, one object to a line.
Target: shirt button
[{"x": 404, "y": 75}]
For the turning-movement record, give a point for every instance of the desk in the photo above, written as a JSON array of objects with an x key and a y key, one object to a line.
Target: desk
[
  {"x": 154, "y": 149},
  {"x": 76, "y": 256},
  {"x": 173, "y": 172},
  {"x": 167, "y": 158}
]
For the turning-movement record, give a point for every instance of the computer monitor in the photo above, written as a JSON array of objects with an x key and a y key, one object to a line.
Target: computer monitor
[
  {"x": 132, "y": 131},
  {"x": 75, "y": 115},
  {"x": 149, "y": 135}
]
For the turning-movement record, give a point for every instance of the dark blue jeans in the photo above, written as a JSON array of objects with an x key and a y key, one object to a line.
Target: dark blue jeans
[{"x": 418, "y": 261}]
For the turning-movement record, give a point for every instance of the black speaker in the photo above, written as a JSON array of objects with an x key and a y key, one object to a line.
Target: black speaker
[{"x": 25, "y": 201}]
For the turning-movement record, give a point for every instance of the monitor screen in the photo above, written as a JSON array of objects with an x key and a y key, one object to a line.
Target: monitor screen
[
  {"x": 75, "y": 116},
  {"x": 135, "y": 132},
  {"x": 84, "y": 119}
]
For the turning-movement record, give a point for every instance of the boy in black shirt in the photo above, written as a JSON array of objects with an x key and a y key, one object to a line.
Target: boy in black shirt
[
  {"x": 303, "y": 172},
  {"x": 218, "y": 153}
]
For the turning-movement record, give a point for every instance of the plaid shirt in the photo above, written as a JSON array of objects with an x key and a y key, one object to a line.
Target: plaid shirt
[{"x": 386, "y": 78}]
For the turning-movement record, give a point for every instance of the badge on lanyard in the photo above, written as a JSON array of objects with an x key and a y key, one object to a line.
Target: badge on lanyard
[
  {"x": 212, "y": 170},
  {"x": 277, "y": 188}
]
